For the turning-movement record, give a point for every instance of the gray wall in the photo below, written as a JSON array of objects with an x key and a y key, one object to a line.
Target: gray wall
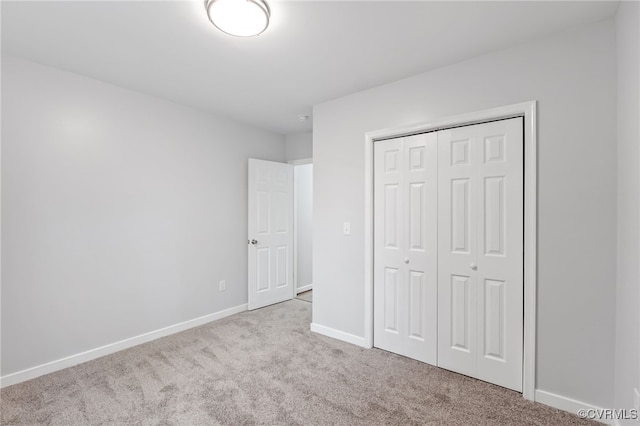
[
  {"x": 299, "y": 146},
  {"x": 573, "y": 76},
  {"x": 120, "y": 213},
  {"x": 627, "y": 371},
  {"x": 303, "y": 178}
]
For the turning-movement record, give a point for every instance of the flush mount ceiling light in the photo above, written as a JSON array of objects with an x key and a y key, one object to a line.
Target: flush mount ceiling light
[{"x": 241, "y": 18}]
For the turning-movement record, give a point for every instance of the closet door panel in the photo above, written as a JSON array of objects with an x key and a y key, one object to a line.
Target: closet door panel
[
  {"x": 500, "y": 252},
  {"x": 448, "y": 249},
  {"x": 457, "y": 241},
  {"x": 388, "y": 242},
  {"x": 405, "y": 248},
  {"x": 421, "y": 252},
  {"x": 480, "y": 257}
]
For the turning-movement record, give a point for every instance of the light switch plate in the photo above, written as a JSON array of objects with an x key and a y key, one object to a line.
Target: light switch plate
[
  {"x": 346, "y": 229},
  {"x": 223, "y": 285}
]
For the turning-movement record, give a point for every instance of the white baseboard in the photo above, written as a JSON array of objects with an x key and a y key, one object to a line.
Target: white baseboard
[
  {"x": 60, "y": 364},
  {"x": 337, "y": 334},
  {"x": 566, "y": 404},
  {"x": 304, "y": 288}
]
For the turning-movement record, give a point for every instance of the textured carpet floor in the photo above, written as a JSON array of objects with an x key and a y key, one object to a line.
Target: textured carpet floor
[
  {"x": 264, "y": 367},
  {"x": 307, "y": 296}
]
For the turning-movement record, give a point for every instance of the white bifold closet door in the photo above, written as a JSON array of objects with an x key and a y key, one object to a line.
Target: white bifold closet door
[
  {"x": 448, "y": 249},
  {"x": 480, "y": 251},
  {"x": 405, "y": 246}
]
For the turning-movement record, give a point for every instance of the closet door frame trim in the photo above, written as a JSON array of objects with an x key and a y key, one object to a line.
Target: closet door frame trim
[{"x": 526, "y": 110}]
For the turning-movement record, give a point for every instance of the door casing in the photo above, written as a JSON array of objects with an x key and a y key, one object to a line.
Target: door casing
[{"x": 527, "y": 110}]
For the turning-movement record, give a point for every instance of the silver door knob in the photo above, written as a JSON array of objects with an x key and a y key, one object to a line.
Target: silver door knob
[
  {"x": 406, "y": 260},
  {"x": 254, "y": 242},
  {"x": 473, "y": 267}
]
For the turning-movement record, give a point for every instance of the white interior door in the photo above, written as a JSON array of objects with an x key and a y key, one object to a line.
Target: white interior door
[
  {"x": 405, "y": 246},
  {"x": 480, "y": 255},
  {"x": 270, "y": 239}
]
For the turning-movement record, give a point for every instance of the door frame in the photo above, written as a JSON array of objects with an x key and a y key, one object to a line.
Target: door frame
[
  {"x": 528, "y": 110},
  {"x": 294, "y": 163}
]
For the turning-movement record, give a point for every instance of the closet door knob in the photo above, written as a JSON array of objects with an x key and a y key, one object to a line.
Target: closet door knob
[
  {"x": 406, "y": 260},
  {"x": 473, "y": 267}
]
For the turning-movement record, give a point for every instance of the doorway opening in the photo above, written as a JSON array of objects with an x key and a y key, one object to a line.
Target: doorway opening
[{"x": 303, "y": 229}]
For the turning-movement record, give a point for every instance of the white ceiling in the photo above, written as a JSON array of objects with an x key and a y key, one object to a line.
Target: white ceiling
[{"x": 312, "y": 52}]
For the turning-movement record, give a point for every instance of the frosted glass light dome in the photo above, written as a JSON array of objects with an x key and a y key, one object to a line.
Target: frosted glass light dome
[{"x": 240, "y": 18}]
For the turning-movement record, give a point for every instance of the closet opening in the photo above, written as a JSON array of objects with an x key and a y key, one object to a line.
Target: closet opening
[{"x": 481, "y": 238}]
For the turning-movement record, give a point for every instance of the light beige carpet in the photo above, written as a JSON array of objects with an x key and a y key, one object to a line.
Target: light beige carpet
[
  {"x": 264, "y": 367},
  {"x": 307, "y": 296}
]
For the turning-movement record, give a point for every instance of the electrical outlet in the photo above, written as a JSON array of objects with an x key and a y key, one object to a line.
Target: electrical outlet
[
  {"x": 636, "y": 400},
  {"x": 223, "y": 285}
]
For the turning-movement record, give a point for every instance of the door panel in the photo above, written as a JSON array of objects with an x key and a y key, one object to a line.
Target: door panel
[
  {"x": 494, "y": 319},
  {"x": 405, "y": 249},
  {"x": 416, "y": 308},
  {"x": 494, "y": 215},
  {"x": 416, "y": 223},
  {"x": 263, "y": 261},
  {"x": 392, "y": 211},
  {"x": 460, "y": 315},
  {"x": 391, "y": 299},
  {"x": 457, "y": 296},
  {"x": 270, "y": 199},
  {"x": 480, "y": 259},
  {"x": 460, "y": 241},
  {"x": 501, "y": 254}
]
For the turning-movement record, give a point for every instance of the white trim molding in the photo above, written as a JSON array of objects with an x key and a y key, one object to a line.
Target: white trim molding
[
  {"x": 301, "y": 161},
  {"x": 337, "y": 334},
  {"x": 567, "y": 404},
  {"x": 304, "y": 288},
  {"x": 526, "y": 110},
  {"x": 70, "y": 361}
]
